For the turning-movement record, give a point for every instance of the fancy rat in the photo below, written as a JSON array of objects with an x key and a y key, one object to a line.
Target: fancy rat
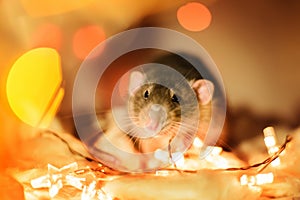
[
  {"x": 168, "y": 104},
  {"x": 163, "y": 104}
]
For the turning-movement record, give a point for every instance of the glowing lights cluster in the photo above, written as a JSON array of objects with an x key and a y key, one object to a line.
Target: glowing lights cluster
[
  {"x": 255, "y": 180},
  {"x": 69, "y": 175},
  {"x": 214, "y": 155},
  {"x": 270, "y": 140},
  {"x": 87, "y": 180},
  {"x": 271, "y": 143}
]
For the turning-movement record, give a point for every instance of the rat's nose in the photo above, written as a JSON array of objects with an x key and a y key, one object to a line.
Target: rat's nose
[
  {"x": 157, "y": 118},
  {"x": 156, "y": 107},
  {"x": 157, "y": 114}
]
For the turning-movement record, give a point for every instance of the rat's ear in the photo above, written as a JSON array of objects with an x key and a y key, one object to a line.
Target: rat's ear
[
  {"x": 136, "y": 80},
  {"x": 204, "y": 90}
]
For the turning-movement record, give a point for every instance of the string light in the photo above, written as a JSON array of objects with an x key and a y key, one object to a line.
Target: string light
[
  {"x": 178, "y": 157},
  {"x": 162, "y": 173},
  {"x": 271, "y": 143},
  {"x": 215, "y": 157},
  {"x": 197, "y": 143},
  {"x": 258, "y": 179},
  {"x": 86, "y": 179},
  {"x": 82, "y": 179},
  {"x": 55, "y": 178}
]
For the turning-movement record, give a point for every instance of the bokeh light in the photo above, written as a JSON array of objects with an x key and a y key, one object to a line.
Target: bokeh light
[
  {"x": 47, "y": 35},
  {"x": 86, "y": 39},
  {"x": 38, "y": 8},
  {"x": 34, "y": 86},
  {"x": 194, "y": 16}
]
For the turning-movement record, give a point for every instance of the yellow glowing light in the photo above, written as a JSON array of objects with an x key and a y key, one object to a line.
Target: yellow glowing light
[
  {"x": 194, "y": 16},
  {"x": 162, "y": 173},
  {"x": 270, "y": 141},
  {"x": 34, "y": 86},
  {"x": 215, "y": 157},
  {"x": 259, "y": 179},
  {"x": 276, "y": 162},
  {"x": 221, "y": 163},
  {"x": 180, "y": 162},
  {"x": 269, "y": 132},
  {"x": 164, "y": 156},
  {"x": 37, "y": 8},
  {"x": 86, "y": 39},
  {"x": 216, "y": 151},
  {"x": 271, "y": 144},
  {"x": 244, "y": 179},
  {"x": 264, "y": 178},
  {"x": 197, "y": 143}
]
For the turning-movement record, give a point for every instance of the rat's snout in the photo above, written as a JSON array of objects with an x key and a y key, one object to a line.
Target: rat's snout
[
  {"x": 157, "y": 118},
  {"x": 157, "y": 112},
  {"x": 156, "y": 107}
]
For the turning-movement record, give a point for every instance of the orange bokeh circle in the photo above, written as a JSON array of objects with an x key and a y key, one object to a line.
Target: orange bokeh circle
[
  {"x": 194, "y": 16},
  {"x": 87, "y": 38}
]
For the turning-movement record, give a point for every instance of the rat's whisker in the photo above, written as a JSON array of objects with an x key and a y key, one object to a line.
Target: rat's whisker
[{"x": 185, "y": 125}]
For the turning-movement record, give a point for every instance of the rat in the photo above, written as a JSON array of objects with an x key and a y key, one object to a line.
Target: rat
[
  {"x": 167, "y": 105},
  {"x": 163, "y": 104}
]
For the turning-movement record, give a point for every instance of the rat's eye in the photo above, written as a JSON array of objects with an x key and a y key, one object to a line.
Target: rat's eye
[
  {"x": 146, "y": 94},
  {"x": 175, "y": 98}
]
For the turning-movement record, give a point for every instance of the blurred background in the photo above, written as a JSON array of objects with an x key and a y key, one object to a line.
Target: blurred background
[{"x": 255, "y": 44}]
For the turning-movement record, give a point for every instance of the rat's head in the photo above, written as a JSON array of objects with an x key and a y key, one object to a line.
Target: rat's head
[
  {"x": 152, "y": 106},
  {"x": 156, "y": 108}
]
